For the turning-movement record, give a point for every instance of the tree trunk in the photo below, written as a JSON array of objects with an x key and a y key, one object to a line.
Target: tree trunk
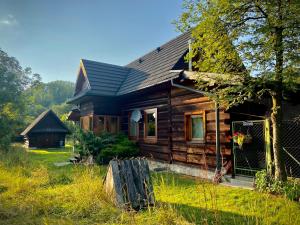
[
  {"x": 277, "y": 94},
  {"x": 276, "y": 117}
]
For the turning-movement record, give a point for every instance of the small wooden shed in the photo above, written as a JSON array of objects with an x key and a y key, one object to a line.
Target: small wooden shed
[{"x": 46, "y": 131}]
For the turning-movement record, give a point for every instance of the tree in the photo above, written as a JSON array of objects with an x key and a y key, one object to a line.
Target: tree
[
  {"x": 49, "y": 95},
  {"x": 262, "y": 35},
  {"x": 13, "y": 81}
]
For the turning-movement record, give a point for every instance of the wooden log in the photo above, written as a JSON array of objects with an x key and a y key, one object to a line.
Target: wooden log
[
  {"x": 128, "y": 184},
  {"x": 113, "y": 184}
]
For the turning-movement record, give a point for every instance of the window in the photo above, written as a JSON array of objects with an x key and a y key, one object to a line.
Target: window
[
  {"x": 133, "y": 127},
  {"x": 108, "y": 124},
  {"x": 101, "y": 124},
  {"x": 112, "y": 124},
  {"x": 86, "y": 123},
  {"x": 150, "y": 124},
  {"x": 195, "y": 126}
]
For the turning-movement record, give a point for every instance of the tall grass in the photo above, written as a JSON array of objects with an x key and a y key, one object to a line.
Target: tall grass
[
  {"x": 30, "y": 193},
  {"x": 33, "y": 191}
]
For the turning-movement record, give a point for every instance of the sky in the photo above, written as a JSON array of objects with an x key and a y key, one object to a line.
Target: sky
[{"x": 52, "y": 36}]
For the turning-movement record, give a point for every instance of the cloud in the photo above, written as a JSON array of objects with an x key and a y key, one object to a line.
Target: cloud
[{"x": 8, "y": 20}]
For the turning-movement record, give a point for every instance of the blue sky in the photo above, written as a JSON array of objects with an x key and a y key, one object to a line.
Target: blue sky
[{"x": 52, "y": 36}]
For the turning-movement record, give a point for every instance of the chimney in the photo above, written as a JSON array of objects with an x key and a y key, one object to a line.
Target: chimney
[{"x": 190, "y": 53}]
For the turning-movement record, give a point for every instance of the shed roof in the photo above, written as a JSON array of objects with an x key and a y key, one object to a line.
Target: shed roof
[
  {"x": 58, "y": 127},
  {"x": 146, "y": 71}
]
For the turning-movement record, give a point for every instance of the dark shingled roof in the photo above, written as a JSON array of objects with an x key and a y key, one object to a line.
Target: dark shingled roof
[
  {"x": 104, "y": 78},
  {"x": 40, "y": 118},
  {"x": 149, "y": 70}
]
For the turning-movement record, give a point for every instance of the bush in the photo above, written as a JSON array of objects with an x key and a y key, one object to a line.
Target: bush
[
  {"x": 87, "y": 143},
  {"x": 264, "y": 182},
  {"x": 104, "y": 147},
  {"x": 121, "y": 148}
]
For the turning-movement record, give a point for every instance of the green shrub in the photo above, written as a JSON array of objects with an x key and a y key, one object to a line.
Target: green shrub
[
  {"x": 105, "y": 146},
  {"x": 121, "y": 148},
  {"x": 264, "y": 182},
  {"x": 87, "y": 143}
]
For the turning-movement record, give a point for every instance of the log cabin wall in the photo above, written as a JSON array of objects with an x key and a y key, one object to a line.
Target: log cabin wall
[
  {"x": 159, "y": 148},
  {"x": 86, "y": 108},
  {"x": 203, "y": 154},
  {"x": 100, "y": 108},
  {"x": 106, "y": 105},
  {"x": 171, "y": 145},
  {"x": 46, "y": 140}
]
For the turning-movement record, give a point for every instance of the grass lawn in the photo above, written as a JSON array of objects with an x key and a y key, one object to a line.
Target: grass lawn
[{"x": 34, "y": 191}]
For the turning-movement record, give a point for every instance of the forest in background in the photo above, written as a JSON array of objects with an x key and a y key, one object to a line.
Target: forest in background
[
  {"x": 49, "y": 95},
  {"x": 23, "y": 96}
]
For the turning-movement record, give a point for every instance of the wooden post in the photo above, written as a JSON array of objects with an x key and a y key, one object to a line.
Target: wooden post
[
  {"x": 170, "y": 143},
  {"x": 218, "y": 149},
  {"x": 268, "y": 146}
]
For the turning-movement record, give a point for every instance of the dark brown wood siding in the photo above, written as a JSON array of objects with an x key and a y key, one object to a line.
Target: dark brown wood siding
[
  {"x": 203, "y": 154},
  {"x": 158, "y": 149},
  {"x": 46, "y": 140},
  {"x": 86, "y": 108},
  {"x": 172, "y": 104}
]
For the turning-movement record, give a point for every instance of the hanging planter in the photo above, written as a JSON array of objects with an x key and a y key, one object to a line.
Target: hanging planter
[{"x": 238, "y": 138}]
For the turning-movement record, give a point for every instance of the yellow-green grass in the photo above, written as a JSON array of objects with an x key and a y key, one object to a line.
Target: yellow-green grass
[{"x": 34, "y": 191}]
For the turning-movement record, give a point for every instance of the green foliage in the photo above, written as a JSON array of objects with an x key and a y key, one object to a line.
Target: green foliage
[
  {"x": 105, "y": 146},
  {"x": 23, "y": 97},
  {"x": 120, "y": 148},
  {"x": 240, "y": 38},
  {"x": 13, "y": 81},
  {"x": 87, "y": 143},
  {"x": 266, "y": 183},
  {"x": 49, "y": 95}
]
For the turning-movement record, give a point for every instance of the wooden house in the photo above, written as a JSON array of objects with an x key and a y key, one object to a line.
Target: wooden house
[
  {"x": 46, "y": 131},
  {"x": 154, "y": 101}
]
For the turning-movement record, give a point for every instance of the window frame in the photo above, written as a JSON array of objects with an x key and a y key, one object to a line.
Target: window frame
[
  {"x": 104, "y": 124},
  {"x": 188, "y": 126},
  {"x": 91, "y": 123},
  {"x": 107, "y": 122},
  {"x": 133, "y": 137},
  {"x": 81, "y": 122},
  {"x": 146, "y": 137}
]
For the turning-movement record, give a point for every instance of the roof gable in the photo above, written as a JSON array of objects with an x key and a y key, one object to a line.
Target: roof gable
[
  {"x": 46, "y": 122},
  {"x": 82, "y": 82},
  {"x": 104, "y": 78}
]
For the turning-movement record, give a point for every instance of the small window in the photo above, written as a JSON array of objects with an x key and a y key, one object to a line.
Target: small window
[
  {"x": 195, "y": 126},
  {"x": 150, "y": 123},
  {"x": 112, "y": 124},
  {"x": 133, "y": 129},
  {"x": 101, "y": 124}
]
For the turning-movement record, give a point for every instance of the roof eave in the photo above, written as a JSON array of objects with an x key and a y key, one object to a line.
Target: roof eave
[{"x": 78, "y": 98}]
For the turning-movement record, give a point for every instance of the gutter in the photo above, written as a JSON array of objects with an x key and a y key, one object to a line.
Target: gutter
[{"x": 217, "y": 113}]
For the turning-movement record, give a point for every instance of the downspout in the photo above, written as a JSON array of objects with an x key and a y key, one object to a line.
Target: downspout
[{"x": 217, "y": 113}]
